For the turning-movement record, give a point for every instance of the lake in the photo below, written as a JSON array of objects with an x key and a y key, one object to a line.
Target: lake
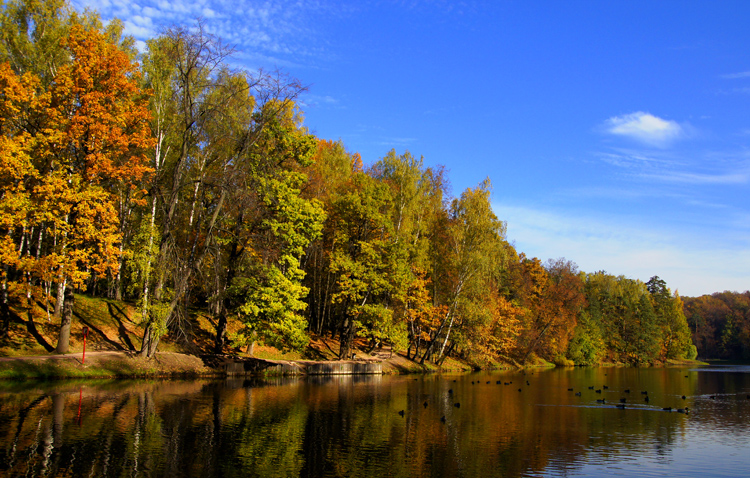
[{"x": 504, "y": 424}]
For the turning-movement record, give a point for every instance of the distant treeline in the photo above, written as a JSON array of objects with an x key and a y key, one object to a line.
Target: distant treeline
[
  {"x": 720, "y": 324},
  {"x": 173, "y": 180}
]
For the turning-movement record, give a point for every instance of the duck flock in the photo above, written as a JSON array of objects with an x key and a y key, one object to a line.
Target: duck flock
[{"x": 641, "y": 401}]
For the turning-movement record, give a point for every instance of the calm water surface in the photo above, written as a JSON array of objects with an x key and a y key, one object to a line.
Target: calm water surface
[{"x": 507, "y": 425}]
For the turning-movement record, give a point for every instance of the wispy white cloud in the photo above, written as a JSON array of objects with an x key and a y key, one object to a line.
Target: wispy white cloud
[
  {"x": 698, "y": 263},
  {"x": 317, "y": 100},
  {"x": 735, "y": 76},
  {"x": 638, "y": 160},
  {"x": 699, "y": 178},
  {"x": 393, "y": 142},
  {"x": 681, "y": 167},
  {"x": 735, "y": 91},
  {"x": 270, "y": 33},
  {"x": 645, "y": 128}
]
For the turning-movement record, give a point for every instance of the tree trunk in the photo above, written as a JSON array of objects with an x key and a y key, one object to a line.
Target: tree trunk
[
  {"x": 94, "y": 281},
  {"x": 4, "y": 307},
  {"x": 447, "y": 354},
  {"x": 63, "y": 342},
  {"x": 150, "y": 342},
  {"x": 221, "y": 333},
  {"x": 151, "y": 336},
  {"x": 445, "y": 341},
  {"x": 226, "y": 302},
  {"x": 118, "y": 282},
  {"x": 431, "y": 345},
  {"x": 61, "y": 288},
  {"x": 347, "y": 339},
  {"x": 373, "y": 344},
  {"x": 145, "y": 342},
  {"x": 152, "y": 345},
  {"x": 147, "y": 272}
]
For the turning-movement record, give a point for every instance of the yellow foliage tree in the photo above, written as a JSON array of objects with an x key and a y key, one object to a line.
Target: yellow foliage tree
[{"x": 64, "y": 152}]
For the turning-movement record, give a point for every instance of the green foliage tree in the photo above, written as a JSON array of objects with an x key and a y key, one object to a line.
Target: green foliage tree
[
  {"x": 32, "y": 32},
  {"x": 359, "y": 259},
  {"x": 674, "y": 334},
  {"x": 628, "y": 323},
  {"x": 269, "y": 291},
  {"x": 587, "y": 347}
]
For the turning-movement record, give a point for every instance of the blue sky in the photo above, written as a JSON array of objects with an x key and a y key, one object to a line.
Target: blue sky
[{"x": 616, "y": 134}]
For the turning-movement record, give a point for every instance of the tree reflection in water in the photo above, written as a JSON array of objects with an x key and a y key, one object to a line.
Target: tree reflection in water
[{"x": 350, "y": 426}]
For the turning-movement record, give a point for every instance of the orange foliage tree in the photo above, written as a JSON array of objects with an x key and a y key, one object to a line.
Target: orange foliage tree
[
  {"x": 65, "y": 151},
  {"x": 553, "y": 296},
  {"x": 720, "y": 324},
  {"x": 494, "y": 334}
]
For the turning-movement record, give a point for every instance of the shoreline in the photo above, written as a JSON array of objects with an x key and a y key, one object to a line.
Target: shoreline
[{"x": 128, "y": 365}]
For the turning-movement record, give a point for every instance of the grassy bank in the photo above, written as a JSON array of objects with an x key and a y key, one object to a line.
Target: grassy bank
[{"x": 105, "y": 365}]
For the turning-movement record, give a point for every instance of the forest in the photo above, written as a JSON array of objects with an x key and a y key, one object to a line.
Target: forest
[
  {"x": 720, "y": 323},
  {"x": 170, "y": 179}
]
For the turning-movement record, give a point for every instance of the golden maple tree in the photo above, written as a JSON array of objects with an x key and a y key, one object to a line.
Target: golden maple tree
[{"x": 65, "y": 153}]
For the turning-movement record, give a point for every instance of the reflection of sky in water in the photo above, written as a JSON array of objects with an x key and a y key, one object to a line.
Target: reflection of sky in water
[
  {"x": 694, "y": 454},
  {"x": 713, "y": 443},
  {"x": 724, "y": 369}
]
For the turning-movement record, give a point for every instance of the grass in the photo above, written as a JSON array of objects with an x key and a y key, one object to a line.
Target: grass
[
  {"x": 271, "y": 353},
  {"x": 22, "y": 370},
  {"x": 105, "y": 366},
  {"x": 113, "y": 326},
  {"x": 685, "y": 362}
]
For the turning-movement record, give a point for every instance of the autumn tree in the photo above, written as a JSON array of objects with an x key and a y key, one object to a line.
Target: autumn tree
[
  {"x": 32, "y": 32},
  {"x": 552, "y": 296},
  {"x": 467, "y": 255},
  {"x": 720, "y": 324},
  {"x": 420, "y": 313},
  {"x": 415, "y": 211},
  {"x": 66, "y": 149}
]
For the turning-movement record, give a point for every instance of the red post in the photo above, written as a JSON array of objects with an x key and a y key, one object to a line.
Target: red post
[{"x": 85, "y": 334}]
